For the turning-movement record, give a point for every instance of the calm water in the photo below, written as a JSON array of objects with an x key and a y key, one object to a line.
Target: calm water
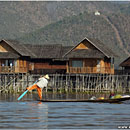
[{"x": 31, "y": 114}]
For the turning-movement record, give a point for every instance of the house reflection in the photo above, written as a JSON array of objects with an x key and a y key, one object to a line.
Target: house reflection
[{"x": 38, "y": 114}]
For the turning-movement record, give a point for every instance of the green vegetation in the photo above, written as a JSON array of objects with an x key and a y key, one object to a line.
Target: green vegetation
[
  {"x": 67, "y": 23},
  {"x": 72, "y": 30}
]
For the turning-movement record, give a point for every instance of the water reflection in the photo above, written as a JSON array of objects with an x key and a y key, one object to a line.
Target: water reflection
[{"x": 38, "y": 112}]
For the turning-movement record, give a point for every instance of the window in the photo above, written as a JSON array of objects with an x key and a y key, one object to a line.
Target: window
[
  {"x": 7, "y": 62},
  {"x": 77, "y": 63},
  {"x": 11, "y": 63}
]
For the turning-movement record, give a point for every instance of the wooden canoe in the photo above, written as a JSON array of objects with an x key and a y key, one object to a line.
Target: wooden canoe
[{"x": 118, "y": 100}]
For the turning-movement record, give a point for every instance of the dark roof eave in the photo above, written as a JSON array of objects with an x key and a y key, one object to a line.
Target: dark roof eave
[
  {"x": 8, "y": 55},
  {"x": 37, "y": 58},
  {"x": 9, "y": 58},
  {"x": 54, "y": 59},
  {"x": 124, "y": 63},
  {"x": 95, "y": 57},
  {"x": 60, "y": 59}
]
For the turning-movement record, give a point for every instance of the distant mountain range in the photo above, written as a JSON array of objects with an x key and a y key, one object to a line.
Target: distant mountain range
[{"x": 67, "y": 23}]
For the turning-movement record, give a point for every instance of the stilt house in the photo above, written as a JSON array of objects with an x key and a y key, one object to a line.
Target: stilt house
[
  {"x": 126, "y": 66},
  {"x": 88, "y": 56}
]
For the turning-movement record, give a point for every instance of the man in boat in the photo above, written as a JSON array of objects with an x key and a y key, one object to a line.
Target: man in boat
[
  {"x": 111, "y": 96},
  {"x": 42, "y": 82}
]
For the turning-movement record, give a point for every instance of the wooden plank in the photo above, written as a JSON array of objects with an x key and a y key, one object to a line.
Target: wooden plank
[{"x": 47, "y": 66}]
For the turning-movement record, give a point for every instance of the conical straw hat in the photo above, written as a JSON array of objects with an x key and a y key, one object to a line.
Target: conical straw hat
[{"x": 47, "y": 76}]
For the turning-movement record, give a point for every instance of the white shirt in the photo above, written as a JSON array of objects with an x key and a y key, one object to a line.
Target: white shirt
[{"x": 42, "y": 82}]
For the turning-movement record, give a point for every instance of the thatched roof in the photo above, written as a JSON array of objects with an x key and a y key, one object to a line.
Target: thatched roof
[
  {"x": 103, "y": 48},
  {"x": 52, "y": 51},
  {"x": 8, "y": 55},
  {"x": 126, "y": 63},
  {"x": 57, "y": 51},
  {"x": 18, "y": 47},
  {"x": 45, "y": 51},
  {"x": 101, "y": 51},
  {"x": 83, "y": 53}
]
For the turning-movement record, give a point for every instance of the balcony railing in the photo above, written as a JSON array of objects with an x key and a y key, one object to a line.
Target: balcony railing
[
  {"x": 12, "y": 69},
  {"x": 104, "y": 70}
]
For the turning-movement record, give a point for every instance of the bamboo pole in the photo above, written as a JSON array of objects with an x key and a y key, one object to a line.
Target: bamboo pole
[{"x": 68, "y": 82}]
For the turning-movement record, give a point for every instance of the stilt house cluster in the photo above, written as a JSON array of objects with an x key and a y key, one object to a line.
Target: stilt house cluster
[{"x": 88, "y": 56}]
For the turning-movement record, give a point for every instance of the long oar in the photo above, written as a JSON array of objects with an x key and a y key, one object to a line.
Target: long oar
[{"x": 25, "y": 92}]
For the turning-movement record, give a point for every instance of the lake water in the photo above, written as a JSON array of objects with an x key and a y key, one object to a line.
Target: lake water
[{"x": 31, "y": 114}]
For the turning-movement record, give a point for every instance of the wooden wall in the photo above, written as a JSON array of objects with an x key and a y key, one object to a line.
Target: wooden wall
[
  {"x": 48, "y": 66},
  {"x": 21, "y": 66},
  {"x": 91, "y": 66},
  {"x": 90, "y": 62}
]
